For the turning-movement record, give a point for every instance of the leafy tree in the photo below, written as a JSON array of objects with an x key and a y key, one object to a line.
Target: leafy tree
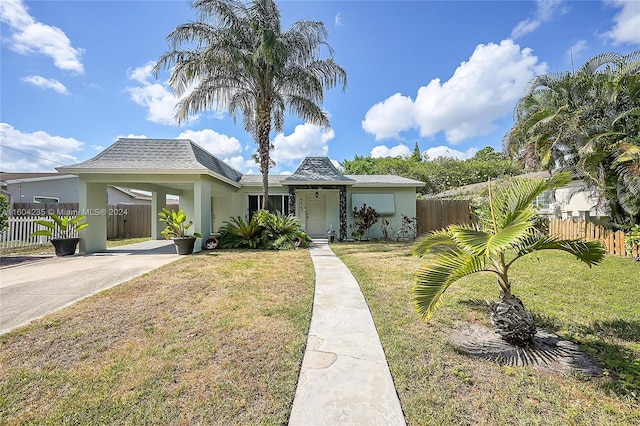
[
  {"x": 4, "y": 217},
  {"x": 242, "y": 61},
  {"x": 438, "y": 174},
  {"x": 493, "y": 245},
  {"x": 416, "y": 155},
  {"x": 587, "y": 122}
]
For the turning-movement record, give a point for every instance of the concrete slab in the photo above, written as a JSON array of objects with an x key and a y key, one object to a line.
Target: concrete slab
[
  {"x": 30, "y": 291},
  {"x": 345, "y": 379}
]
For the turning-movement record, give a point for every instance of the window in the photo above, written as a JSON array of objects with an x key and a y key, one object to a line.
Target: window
[
  {"x": 543, "y": 201},
  {"x": 275, "y": 204},
  {"x": 44, "y": 199}
]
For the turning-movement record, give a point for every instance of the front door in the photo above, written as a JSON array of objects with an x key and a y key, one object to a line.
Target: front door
[
  {"x": 315, "y": 216},
  {"x": 220, "y": 212}
]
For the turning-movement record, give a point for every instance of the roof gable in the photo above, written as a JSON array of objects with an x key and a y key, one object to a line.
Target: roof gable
[
  {"x": 317, "y": 170},
  {"x": 156, "y": 155}
]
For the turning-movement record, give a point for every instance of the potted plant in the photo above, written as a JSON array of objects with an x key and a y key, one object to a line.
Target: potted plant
[
  {"x": 63, "y": 232},
  {"x": 177, "y": 229}
]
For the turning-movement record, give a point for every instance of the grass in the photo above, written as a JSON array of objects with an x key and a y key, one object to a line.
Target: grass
[
  {"x": 598, "y": 308},
  {"x": 218, "y": 338},
  {"x": 213, "y": 338}
]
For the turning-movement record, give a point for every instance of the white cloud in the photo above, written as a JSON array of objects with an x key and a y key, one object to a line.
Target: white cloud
[
  {"x": 29, "y": 152},
  {"x": 545, "y": 11},
  {"x": 30, "y": 36},
  {"x": 132, "y": 136},
  {"x": 627, "y": 22},
  {"x": 445, "y": 151},
  {"x": 243, "y": 165},
  {"x": 388, "y": 118},
  {"x": 576, "y": 50},
  {"x": 337, "y": 21},
  {"x": 307, "y": 140},
  {"x": 399, "y": 150},
  {"x": 156, "y": 97},
  {"x": 481, "y": 90},
  {"x": 46, "y": 83},
  {"x": 216, "y": 143}
]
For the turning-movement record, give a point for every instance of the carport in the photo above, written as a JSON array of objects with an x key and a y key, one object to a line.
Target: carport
[{"x": 160, "y": 166}]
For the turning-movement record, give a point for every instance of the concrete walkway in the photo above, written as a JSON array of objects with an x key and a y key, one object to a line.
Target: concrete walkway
[
  {"x": 345, "y": 379},
  {"x": 32, "y": 290}
]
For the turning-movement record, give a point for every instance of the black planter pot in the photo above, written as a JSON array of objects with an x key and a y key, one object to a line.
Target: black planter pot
[
  {"x": 185, "y": 245},
  {"x": 65, "y": 246}
]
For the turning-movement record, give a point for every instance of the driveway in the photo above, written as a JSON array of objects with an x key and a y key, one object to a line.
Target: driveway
[{"x": 31, "y": 290}]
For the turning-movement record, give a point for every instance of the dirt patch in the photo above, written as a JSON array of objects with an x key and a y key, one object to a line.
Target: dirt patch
[
  {"x": 10, "y": 261},
  {"x": 549, "y": 352}
]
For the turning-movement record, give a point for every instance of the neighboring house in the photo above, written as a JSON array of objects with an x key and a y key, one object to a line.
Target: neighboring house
[
  {"x": 211, "y": 191},
  {"x": 60, "y": 188},
  {"x": 575, "y": 200}
]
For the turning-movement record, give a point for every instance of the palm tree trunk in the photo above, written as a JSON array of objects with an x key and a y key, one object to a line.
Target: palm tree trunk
[
  {"x": 264, "y": 146},
  {"x": 512, "y": 321}
]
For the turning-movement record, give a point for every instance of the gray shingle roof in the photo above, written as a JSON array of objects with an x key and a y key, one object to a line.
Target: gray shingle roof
[
  {"x": 256, "y": 180},
  {"x": 384, "y": 180},
  {"x": 317, "y": 170},
  {"x": 162, "y": 155}
]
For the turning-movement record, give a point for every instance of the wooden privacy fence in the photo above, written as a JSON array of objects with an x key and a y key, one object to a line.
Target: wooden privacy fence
[
  {"x": 572, "y": 229},
  {"x": 437, "y": 214}
]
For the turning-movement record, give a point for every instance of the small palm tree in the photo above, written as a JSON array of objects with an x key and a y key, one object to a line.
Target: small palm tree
[{"x": 493, "y": 246}]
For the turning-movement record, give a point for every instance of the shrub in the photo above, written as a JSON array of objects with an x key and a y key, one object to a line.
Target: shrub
[
  {"x": 4, "y": 217},
  {"x": 236, "y": 233},
  {"x": 365, "y": 218},
  {"x": 264, "y": 231}
]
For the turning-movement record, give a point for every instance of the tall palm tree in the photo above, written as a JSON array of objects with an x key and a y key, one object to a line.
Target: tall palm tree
[
  {"x": 238, "y": 58},
  {"x": 493, "y": 246},
  {"x": 586, "y": 122}
]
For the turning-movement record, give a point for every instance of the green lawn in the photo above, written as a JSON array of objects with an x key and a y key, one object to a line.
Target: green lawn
[
  {"x": 213, "y": 338},
  {"x": 598, "y": 308},
  {"x": 218, "y": 338}
]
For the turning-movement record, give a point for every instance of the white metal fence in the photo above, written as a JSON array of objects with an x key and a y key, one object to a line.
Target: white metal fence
[{"x": 19, "y": 230}]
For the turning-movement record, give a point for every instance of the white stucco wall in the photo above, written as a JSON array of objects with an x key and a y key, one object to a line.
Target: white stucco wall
[{"x": 578, "y": 201}]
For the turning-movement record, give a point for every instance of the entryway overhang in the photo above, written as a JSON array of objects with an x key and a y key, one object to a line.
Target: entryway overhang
[{"x": 318, "y": 173}]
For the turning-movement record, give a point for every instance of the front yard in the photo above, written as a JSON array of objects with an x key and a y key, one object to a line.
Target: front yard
[
  {"x": 218, "y": 338},
  {"x": 215, "y": 338},
  {"x": 598, "y": 308}
]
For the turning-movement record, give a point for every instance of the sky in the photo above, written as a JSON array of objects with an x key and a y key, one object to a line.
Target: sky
[{"x": 76, "y": 75}]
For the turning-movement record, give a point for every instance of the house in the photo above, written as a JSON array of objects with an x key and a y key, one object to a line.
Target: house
[
  {"x": 576, "y": 200},
  {"x": 211, "y": 191},
  {"x": 60, "y": 188}
]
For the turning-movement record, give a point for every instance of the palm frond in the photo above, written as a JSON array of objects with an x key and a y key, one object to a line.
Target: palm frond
[
  {"x": 589, "y": 252},
  {"x": 432, "y": 240},
  {"x": 435, "y": 277}
]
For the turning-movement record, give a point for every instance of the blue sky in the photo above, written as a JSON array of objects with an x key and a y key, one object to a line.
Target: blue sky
[{"x": 76, "y": 76}]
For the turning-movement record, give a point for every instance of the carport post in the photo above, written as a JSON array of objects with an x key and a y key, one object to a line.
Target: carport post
[
  {"x": 93, "y": 204},
  {"x": 202, "y": 210},
  {"x": 158, "y": 202}
]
